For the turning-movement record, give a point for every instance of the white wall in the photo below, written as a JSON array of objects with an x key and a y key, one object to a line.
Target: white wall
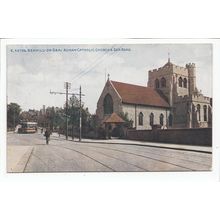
[{"x": 146, "y": 110}]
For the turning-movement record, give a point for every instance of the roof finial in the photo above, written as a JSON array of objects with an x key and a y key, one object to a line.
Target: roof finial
[
  {"x": 168, "y": 57},
  {"x": 108, "y": 76}
]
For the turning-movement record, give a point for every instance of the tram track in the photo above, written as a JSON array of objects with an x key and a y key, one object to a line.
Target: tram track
[
  {"x": 150, "y": 152},
  {"x": 139, "y": 155}
]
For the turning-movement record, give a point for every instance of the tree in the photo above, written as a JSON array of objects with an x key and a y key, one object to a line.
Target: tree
[
  {"x": 93, "y": 122},
  {"x": 54, "y": 118},
  {"x": 74, "y": 114},
  {"x": 30, "y": 115},
  {"x": 128, "y": 122},
  {"x": 13, "y": 115},
  {"x": 59, "y": 118}
]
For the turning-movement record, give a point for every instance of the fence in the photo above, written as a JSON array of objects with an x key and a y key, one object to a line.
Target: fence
[{"x": 191, "y": 136}]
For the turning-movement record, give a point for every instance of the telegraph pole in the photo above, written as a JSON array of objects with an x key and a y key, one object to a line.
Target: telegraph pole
[
  {"x": 80, "y": 114},
  {"x": 67, "y": 86}
]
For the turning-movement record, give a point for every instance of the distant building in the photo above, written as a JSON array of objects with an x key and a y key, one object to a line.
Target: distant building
[{"x": 170, "y": 100}]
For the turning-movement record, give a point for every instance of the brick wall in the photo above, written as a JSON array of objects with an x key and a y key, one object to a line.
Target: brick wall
[{"x": 192, "y": 136}]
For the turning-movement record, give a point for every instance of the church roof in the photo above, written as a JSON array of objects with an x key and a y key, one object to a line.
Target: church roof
[
  {"x": 113, "y": 118},
  {"x": 140, "y": 95}
]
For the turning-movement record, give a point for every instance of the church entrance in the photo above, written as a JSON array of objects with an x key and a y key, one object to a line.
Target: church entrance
[
  {"x": 113, "y": 126},
  {"x": 108, "y": 131},
  {"x": 118, "y": 131}
]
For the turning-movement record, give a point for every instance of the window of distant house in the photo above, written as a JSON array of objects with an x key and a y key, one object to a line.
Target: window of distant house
[
  {"x": 163, "y": 82},
  {"x": 185, "y": 83},
  {"x": 161, "y": 119},
  {"x": 198, "y": 113},
  {"x": 108, "y": 105},
  {"x": 205, "y": 112},
  {"x": 151, "y": 119},
  {"x": 157, "y": 84},
  {"x": 140, "y": 118},
  {"x": 180, "y": 82}
]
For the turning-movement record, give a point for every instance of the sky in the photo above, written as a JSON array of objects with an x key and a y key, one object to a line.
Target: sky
[{"x": 35, "y": 70}]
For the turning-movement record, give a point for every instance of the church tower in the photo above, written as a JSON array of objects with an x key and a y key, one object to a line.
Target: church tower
[
  {"x": 161, "y": 79},
  {"x": 191, "y": 67}
]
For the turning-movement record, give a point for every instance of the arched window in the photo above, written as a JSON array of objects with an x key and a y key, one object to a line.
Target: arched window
[
  {"x": 185, "y": 83},
  {"x": 151, "y": 119},
  {"x": 180, "y": 82},
  {"x": 170, "y": 120},
  {"x": 108, "y": 105},
  {"x": 198, "y": 113},
  {"x": 161, "y": 119},
  {"x": 140, "y": 118},
  {"x": 163, "y": 82},
  {"x": 205, "y": 112},
  {"x": 157, "y": 84}
]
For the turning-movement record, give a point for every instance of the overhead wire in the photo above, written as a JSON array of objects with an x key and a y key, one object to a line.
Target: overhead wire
[{"x": 95, "y": 63}]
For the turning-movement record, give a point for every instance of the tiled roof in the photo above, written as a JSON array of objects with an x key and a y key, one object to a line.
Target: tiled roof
[
  {"x": 113, "y": 118},
  {"x": 140, "y": 95}
]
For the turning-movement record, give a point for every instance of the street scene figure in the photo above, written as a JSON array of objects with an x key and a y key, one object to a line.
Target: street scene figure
[
  {"x": 148, "y": 115},
  {"x": 47, "y": 135}
]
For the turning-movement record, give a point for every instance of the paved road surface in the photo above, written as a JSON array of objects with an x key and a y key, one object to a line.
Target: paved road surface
[{"x": 63, "y": 156}]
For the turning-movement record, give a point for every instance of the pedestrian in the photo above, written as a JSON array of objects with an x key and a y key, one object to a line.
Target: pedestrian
[
  {"x": 47, "y": 135},
  {"x": 59, "y": 131}
]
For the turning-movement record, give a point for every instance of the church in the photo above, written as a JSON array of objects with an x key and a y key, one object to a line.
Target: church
[{"x": 169, "y": 100}]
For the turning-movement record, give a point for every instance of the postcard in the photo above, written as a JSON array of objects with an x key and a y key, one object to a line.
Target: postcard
[{"x": 109, "y": 106}]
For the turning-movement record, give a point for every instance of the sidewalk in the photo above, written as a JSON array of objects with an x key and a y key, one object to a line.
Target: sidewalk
[
  {"x": 205, "y": 149},
  {"x": 17, "y": 158}
]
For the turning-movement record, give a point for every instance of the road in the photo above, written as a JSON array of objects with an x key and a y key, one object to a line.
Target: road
[{"x": 29, "y": 153}]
